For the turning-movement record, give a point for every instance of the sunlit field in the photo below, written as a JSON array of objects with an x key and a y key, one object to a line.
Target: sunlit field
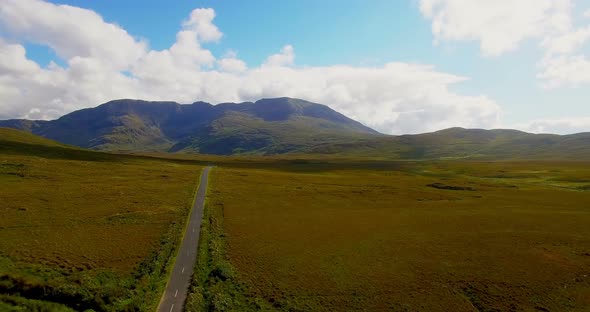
[
  {"x": 86, "y": 230},
  {"x": 423, "y": 236}
]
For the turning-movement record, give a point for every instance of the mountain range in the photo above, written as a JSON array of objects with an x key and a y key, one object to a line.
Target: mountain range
[{"x": 281, "y": 125}]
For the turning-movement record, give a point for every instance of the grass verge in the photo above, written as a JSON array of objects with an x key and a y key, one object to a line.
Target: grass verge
[{"x": 215, "y": 283}]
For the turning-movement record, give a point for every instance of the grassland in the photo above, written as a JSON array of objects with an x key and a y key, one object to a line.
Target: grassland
[
  {"x": 86, "y": 230},
  {"x": 403, "y": 236}
]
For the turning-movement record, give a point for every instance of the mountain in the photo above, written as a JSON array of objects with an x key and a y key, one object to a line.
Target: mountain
[
  {"x": 283, "y": 125},
  {"x": 268, "y": 126}
]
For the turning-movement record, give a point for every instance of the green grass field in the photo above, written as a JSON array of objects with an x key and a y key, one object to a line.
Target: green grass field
[
  {"x": 85, "y": 230},
  {"x": 403, "y": 236}
]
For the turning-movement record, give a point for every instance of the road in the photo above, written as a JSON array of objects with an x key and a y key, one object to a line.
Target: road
[{"x": 177, "y": 288}]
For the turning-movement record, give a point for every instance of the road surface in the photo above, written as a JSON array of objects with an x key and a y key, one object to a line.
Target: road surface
[{"x": 177, "y": 288}]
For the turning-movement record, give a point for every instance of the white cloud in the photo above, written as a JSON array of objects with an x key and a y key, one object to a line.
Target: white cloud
[
  {"x": 231, "y": 63},
  {"x": 565, "y": 70},
  {"x": 13, "y": 60},
  {"x": 587, "y": 13},
  {"x": 201, "y": 22},
  {"x": 499, "y": 25},
  {"x": 564, "y": 64},
  {"x": 558, "y": 126},
  {"x": 70, "y": 31},
  {"x": 285, "y": 58},
  {"x": 176, "y": 66},
  {"x": 566, "y": 43},
  {"x": 393, "y": 98}
]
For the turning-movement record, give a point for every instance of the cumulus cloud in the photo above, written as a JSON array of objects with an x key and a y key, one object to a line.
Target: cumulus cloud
[
  {"x": 285, "y": 58},
  {"x": 567, "y": 42},
  {"x": 500, "y": 26},
  {"x": 564, "y": 64},
  {"x": 201, "y": 22},
  {"x": 231, "y": 63},
  {"x": 13, "y": 60},
  {"x": 70, "y": 31},
  {"x": 393, "y": 98},
  {"x": 565, "y": 70}
]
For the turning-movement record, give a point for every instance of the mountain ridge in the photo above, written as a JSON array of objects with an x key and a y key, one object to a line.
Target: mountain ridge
[
  {"x": 282, "y": 125},
  {"x": 133, "y": 125}
]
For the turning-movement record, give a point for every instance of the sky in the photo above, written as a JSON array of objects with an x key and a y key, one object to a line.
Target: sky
[{"x": 405, "y": 66}]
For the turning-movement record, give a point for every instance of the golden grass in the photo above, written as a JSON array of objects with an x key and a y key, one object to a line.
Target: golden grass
[
  {"x": 90, "y": 214},
  {"x": 93, "y": 233},
  {"x": 93, "y": 230},
  {"x": 370, "y": 239}
]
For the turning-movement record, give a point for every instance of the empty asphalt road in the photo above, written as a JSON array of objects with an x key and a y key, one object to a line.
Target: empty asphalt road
[{"x": 177, "y": 288}]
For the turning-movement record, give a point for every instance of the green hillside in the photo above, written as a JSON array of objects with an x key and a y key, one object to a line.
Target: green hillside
[
  {"x": 17, "y": 142},
  {"x": 238, "y": 133},
  {"x": 13, "y": 136},
  {"x": 459, "y": 143}
]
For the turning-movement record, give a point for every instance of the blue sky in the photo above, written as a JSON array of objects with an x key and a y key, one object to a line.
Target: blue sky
[
  {"x": 359, "y": 35},
  {"x": 324, "y": 32}
]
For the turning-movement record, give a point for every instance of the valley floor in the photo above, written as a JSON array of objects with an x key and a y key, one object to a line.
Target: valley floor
[
  {"x": 84, "y": 230},
  {"x": 424, "y": 236}
]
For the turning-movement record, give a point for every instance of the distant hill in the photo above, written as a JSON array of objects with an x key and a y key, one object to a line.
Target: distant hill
[
  {"x": 283, "y": 125},
  {"x": 268, "y": 126},
  {"x": 18, "y": 142},
  {"x": 459, "y": 143},
  {"x": 11, "y": 136}
]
